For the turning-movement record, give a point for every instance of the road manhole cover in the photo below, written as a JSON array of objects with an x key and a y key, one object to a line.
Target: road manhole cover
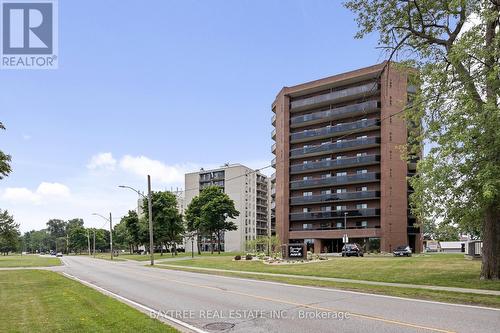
[{"x": 218, "y": 326}]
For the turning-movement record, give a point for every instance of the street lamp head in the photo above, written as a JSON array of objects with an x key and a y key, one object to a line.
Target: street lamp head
[{"x": 121, "y": 186}]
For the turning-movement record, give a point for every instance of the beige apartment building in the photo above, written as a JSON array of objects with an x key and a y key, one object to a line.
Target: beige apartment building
[{"x": 250, "y": 192}]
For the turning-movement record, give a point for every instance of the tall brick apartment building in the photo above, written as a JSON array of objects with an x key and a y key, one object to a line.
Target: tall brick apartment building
[{"x": 338, "y": 167}]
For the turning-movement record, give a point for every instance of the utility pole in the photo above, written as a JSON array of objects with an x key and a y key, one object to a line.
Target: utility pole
[
  {"x": 150, "y": 213},
  {"x": 94, "y": 244},
  {"x": 88, "y": 239},
  {"x": 111, "y": 234}
]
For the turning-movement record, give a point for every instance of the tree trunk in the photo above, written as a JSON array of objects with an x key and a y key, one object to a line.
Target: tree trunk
[
  {"x": 212, "y": 243},
  {"x": 161, "y": 251},
  {"x": 218, "y": 242},
  {"x": 490, "y": 269},
  {"x": 198, "y": 244}
]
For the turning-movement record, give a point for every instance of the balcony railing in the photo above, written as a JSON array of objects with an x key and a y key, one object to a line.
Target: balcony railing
[
  {"x": 334, "y": 146},
  {"x": 329, "y": 131},
  {"x": 333, "y": 181},
  {"x": 273, "y": 120},
  {"x": 273, "y": 162},
  {"x": 335, "y": 96},
  {"x": 330, "y": 226},
  {"x": 333, "y": 197},
  {"x": 273, "y": 148},
  {"x": 335, "y": 163},
  {"x": 337, "y": 214},
  {"x": 273, "y": 134},
  {"x": 336, "y": 113}
]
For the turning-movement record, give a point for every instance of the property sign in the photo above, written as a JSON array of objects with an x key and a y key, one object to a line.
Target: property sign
[
  {"x": 345, "y": 239},
  {"x": 296, "y": 251}
]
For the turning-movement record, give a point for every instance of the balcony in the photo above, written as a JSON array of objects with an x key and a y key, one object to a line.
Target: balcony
[
  {"x": 331, "y": 131},
  {"x": 273, "y": 148},
  {"x": 337, "y": 214},
  {"x": 335, "y": 97},
  {"x": 335, "y": 164},
  {"x": 273, "y": 162},
  {"x": 334, "y": 181},
  {"x": 273, "y": 177},
  {"x": 332, "y": 147},
  {"x": 331, "y": 227},
  {"x": 273, "y": 192},
  {"x": 334, "y": 197},
  {"x": 412, "y": 230},
  {"x": 359, "y": 109},
  {"x": 273, "y": 134},
  {"x": 273, "y": 120}
]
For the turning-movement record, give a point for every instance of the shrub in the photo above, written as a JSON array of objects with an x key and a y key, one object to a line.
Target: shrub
[
  {"x": 248, "y": 257},
  {"x": 238, "y": 257}
]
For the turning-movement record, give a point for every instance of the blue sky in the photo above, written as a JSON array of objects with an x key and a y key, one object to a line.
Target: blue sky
[{"x": 162, "y": 87}]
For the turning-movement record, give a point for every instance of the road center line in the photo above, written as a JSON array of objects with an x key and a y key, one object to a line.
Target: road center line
[{"x": 275, "y": 300}]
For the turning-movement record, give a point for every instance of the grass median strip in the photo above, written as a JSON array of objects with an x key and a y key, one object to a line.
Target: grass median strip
[
  {"x": 43, "y": 301},
  {"x": 432, "y": 295},
  {"x": 29, "y": 260}
]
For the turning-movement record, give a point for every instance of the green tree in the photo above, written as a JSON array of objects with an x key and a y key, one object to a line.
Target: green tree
[
  {"x": 215, "y": 214},
  {"x": 133, "y": 227},
  {"x": 121, "y": 236},
  {"x": 167, "y": 222},
  {"x": 193, "y": 214},
  {"x": 9, "y": 233},
  {"x": 5, "y": 159},
  {"x": 455, "y": 45},
  {"x": 77, "y": 239}
]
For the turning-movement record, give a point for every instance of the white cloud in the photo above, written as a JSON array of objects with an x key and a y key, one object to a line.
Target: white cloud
[
  {"x": 43, "y": 192},
  {"x": 102, "y": 160},
  {"x": 52, "y": 190},
  {"x": 19, "y": 194},
  {"x": 143, "y": 166}
]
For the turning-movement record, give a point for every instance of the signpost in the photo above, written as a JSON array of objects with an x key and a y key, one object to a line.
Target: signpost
[{"x": 345, "y": 239}]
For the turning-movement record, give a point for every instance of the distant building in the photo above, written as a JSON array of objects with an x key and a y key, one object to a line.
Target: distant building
[{"x": 250, "y": 192}]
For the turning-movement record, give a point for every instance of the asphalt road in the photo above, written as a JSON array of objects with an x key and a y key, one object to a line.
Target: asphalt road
[{"x": 211, "y": 303}]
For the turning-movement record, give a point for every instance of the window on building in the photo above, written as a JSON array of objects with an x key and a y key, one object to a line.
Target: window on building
[
  {"x": 341, "y": 190},
  {"x": 341, "y": 173},
  {"x": 361, "y": 188},
  {"x": 307, "y": 226},
  {"x": 341, "y": 208},
  {"x": 326, "y": 192},
  {"x": 361, "y": 154},
  {"x": 307, "y": 194},
  {"x": 326, "y": 175},
  {"x": 362, "y": 206},
  {"x": 340, "y": 225},
  {"x": 305, "y": 210},
  {"x": 326, "y": 208},
  {"x": 362, "y": 137},
  {"x": 359, "y": 172}
]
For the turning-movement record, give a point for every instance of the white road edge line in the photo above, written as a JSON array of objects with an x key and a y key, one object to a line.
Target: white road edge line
[
  {"x": 340, "y": 290},
  {"x": 172, "y": 319}
]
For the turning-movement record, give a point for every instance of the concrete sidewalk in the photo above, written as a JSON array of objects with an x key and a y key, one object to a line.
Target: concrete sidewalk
[{"x": 320, "y": 278}]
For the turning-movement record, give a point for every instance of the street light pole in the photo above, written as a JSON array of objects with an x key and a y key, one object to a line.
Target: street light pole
[
  {"x": 88, "y": 240},
  {"x": 111, "y": 234},
  {"x": 94, "y": 244},
  {"x": 150, "y": 213}
]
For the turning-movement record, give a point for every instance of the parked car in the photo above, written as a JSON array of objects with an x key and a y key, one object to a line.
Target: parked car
[
  {"x": 59, "y": 254},
  {"x": 402, "y": 251},
  {"x": 349, "y": 250}
]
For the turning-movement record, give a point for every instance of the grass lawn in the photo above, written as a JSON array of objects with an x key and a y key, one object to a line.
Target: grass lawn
[
  {"x": 450, "y": 270},
  {"x": 432, "y": 295},
  {"x": 43, "y": 301},
  {"x": 28, "y": 260},
  {"x": 141, "y": 257}
]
